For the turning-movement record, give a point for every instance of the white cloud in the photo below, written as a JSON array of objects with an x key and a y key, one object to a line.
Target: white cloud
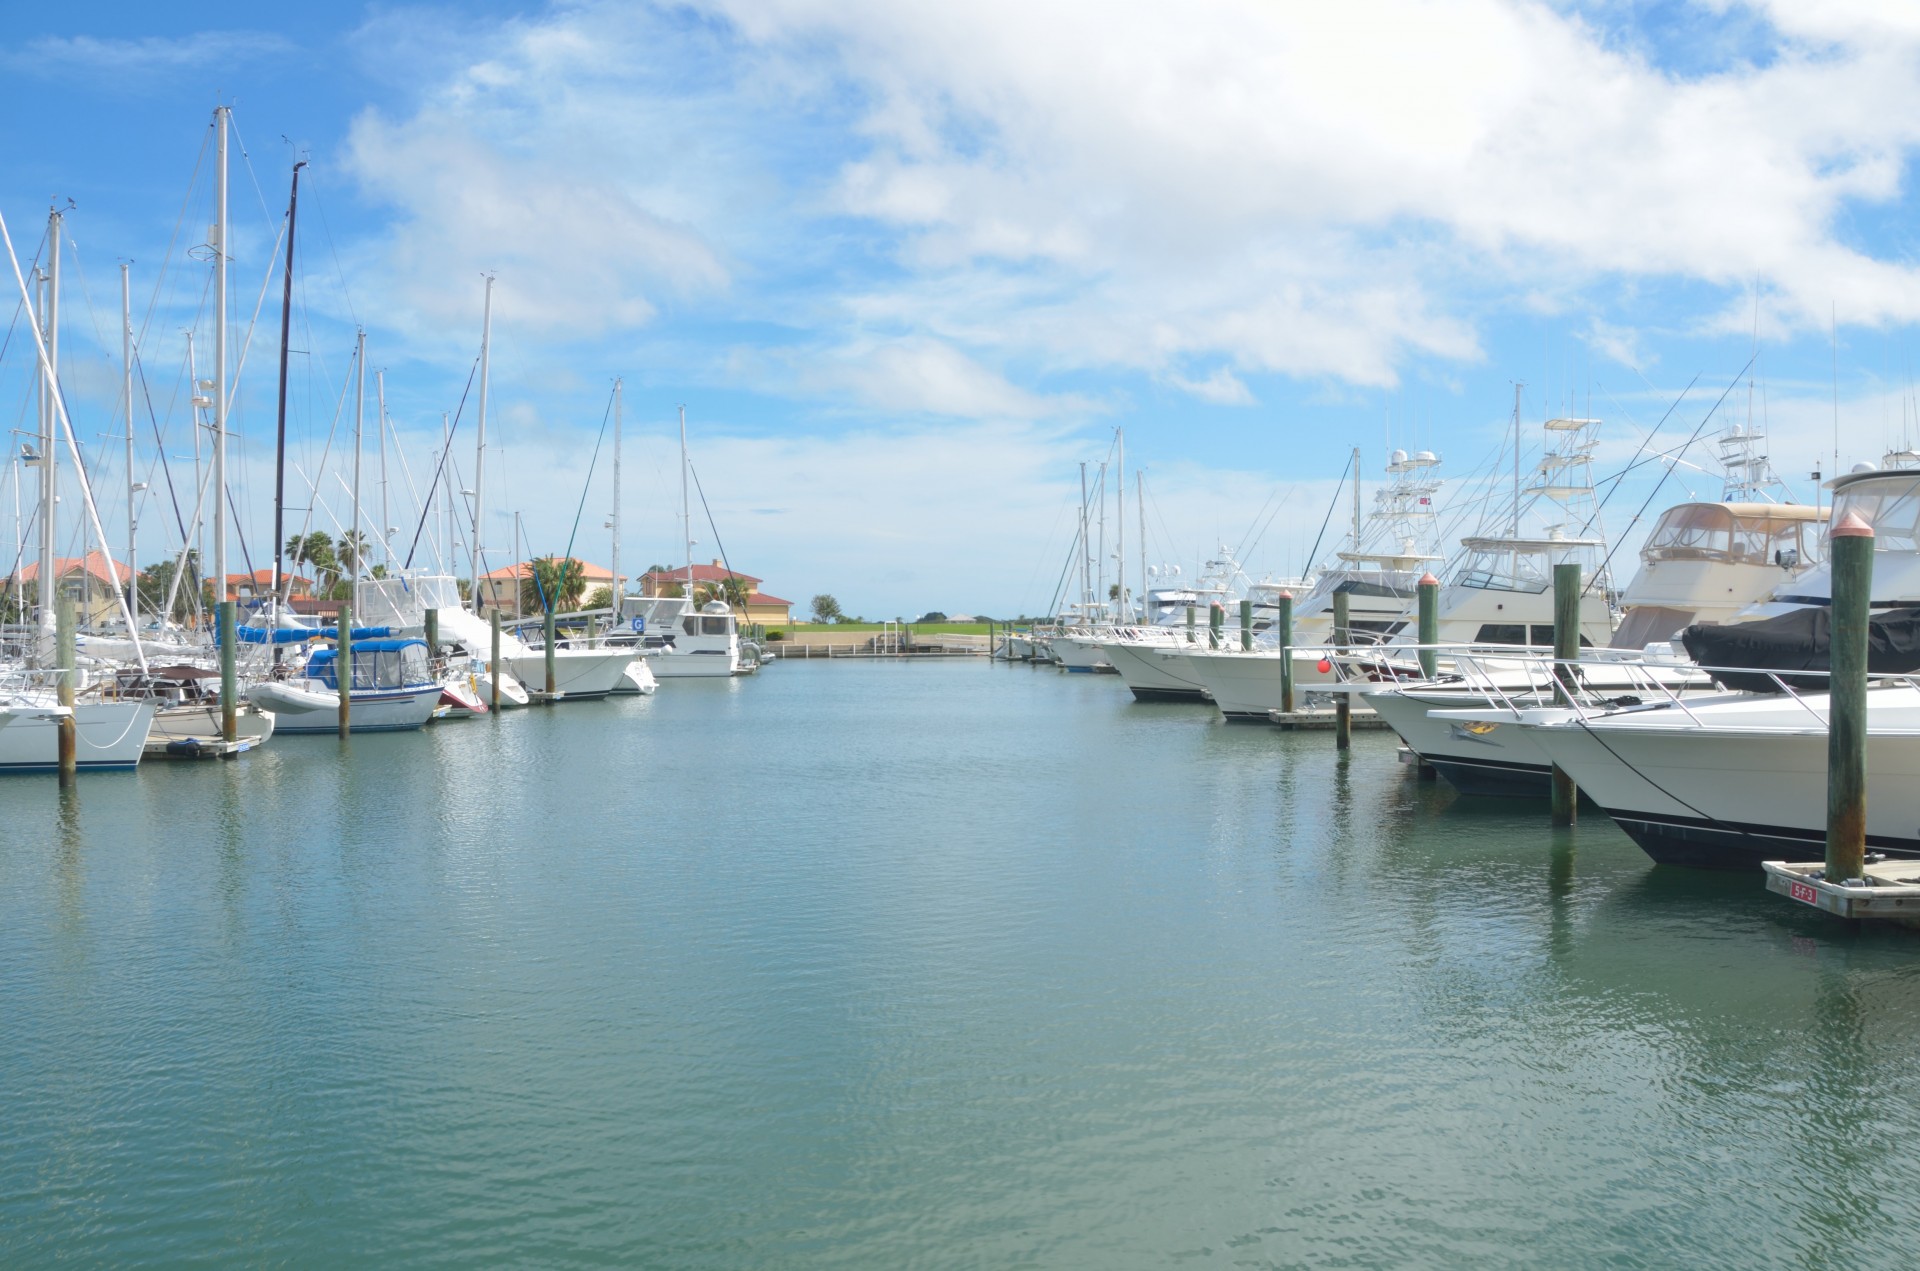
[
  {"x": 1136, "y": 143},
  {"x": 1222, "y": 387},
  {"x": 140, "y": 58},
  {"x": 921, "y": 376}
]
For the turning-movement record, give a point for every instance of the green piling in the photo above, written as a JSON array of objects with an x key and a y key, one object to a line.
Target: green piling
[
  {"x": 493, "y": 667},
  {"x": 1566, "y": 650},
  {"x": 343, "y": 668},
  {"x": 1851, "y": 560},
  {"x": 1216, "y": 617},
  {"x": 1342, "y": 703},
  {"x": 1189, "y": 624},
  {"x": 433, "y": 635},
  {"x": 1429, "y": 625},
  {"x": 1246, "y": 625},
  {"x": 552, "y": 639},
  {"x": 229, "y": 679}
]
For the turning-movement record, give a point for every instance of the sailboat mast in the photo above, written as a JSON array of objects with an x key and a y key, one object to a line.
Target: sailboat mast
[
  {"x": 1140, "y": 500},
  {"x": 617, "y": 589},
  {"x": 219, "y": 245},
  {"x": 446, "y": 498},
  {"x": 280, "y": 427},
  {"x": 126, "y": 373},
  {"x": 480, "y": 444},
  {"x": 686, "y": 509},
  {"x": 380, "y": 432},
  {"x": 49, "y": 461},
  {"x": 1086, "y": 578},
  {"x": 1120, "y": 524},
  {"x": 355, "y": 536}
]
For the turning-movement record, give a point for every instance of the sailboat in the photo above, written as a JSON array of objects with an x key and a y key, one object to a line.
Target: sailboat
[
  {"x": 34, "y": 704},
  {"x": 679, "y": 639}
]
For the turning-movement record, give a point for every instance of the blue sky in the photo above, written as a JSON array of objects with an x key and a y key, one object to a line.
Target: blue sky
[{"x": 907, "y": 266}]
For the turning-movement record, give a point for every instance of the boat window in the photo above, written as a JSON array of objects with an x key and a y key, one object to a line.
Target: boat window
[
  {"x": 1892, "y": 508},
  {"x": 1502, "y": 633},
  {"x": 714, "y": 626},
  {"x": 690, "y": 625},
  {"x": 1692, "y": 531},
  {"x": 1489, "y": 570}
]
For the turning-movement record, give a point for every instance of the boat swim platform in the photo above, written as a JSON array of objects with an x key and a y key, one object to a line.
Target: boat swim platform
[
  {"x": 1889, "y": 890},
  {"x": 1324, "y": 717}
]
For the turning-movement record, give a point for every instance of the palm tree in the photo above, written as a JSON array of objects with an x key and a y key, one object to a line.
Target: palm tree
[{"x": 556, "y": 584}]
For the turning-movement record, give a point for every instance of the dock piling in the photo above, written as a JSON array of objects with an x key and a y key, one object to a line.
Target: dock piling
[
  {"x": 229, "y": 681},
  {"x": 1429, "y": 590},
  {"x": 493, "y": 667},
  {"x": 552, "y": 636},
  {"x": 63, "y": 656},
  {"x": 1189, "y": 624},
  {"x": 1566, "y": 649},
  {"x": 1215, "y": 617},
  {"x": 1851, "y": 559},
  {"x": 343, "y": 668},
  {"x": 1246, "y": 625},
  {"x": 1284, "y": 625},
  {"x": 433, "y": 635},
  {"x": 1343, "y": 704}
]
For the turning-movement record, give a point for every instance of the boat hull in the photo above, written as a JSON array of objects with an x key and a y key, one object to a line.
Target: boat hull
[
  {"x": 108, "y": 737},
  {"x": 1157, "y": 673},
  {"x": 691, "y": 666},
  {"x": 578, "y": 674},
  {"x": 1477, "y": 758},
  {"x": 1722, "y": 800},
  {"x": 302, "y": 710}
]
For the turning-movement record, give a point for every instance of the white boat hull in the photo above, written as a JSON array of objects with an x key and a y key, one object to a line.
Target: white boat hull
[
  {"x": 108, "y": 736},
  {"x": 690, "y": 666},
  {"x": 578, "y": 674},
  {"x": 300, "y": 709}
]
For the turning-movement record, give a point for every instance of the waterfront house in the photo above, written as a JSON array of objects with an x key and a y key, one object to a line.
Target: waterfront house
[
  {"x": 86, "y": 578},
  {"x": 501, "y": 589}
]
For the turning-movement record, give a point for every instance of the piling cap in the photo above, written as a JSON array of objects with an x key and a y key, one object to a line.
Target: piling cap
[
  {"x": 1428, "y": 580},
  {"x": 1852, "y": 526},
  {"x": 1284, "y": 595}
]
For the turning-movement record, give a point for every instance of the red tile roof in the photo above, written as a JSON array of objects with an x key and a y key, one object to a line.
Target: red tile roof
[
  {"x": 762, "y": 598},
  {"x": 701, "y": 574},
  {"x": 94, "y": 563}
]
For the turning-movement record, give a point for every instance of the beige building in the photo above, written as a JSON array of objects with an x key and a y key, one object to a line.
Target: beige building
[
  {"x": 502, "y": 588},
  {"x": 86, "y": 578}
]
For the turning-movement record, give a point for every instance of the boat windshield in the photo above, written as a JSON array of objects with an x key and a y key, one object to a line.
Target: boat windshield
[
  {"x": 1493, "y": 570},
  {"x": 1715, "y": 532},
  {"x": 1890, "y": 505}
]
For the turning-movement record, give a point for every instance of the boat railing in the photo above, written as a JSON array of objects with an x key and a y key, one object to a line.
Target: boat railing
[{"x": 1599, "y": 682}]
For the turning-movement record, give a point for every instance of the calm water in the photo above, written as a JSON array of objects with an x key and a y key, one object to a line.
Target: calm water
[{"x": 941, "y": 966}]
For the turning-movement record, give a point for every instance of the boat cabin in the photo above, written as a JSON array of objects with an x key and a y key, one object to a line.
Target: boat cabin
[{"x": 377, "y": 665}]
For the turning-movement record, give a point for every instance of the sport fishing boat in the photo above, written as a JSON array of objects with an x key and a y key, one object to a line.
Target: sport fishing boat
[
  {"x": 1377, "y": 572},
  {"x": 1702, "y": 564}
]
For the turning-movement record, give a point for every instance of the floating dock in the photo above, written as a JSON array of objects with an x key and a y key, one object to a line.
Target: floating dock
[
  {"x": 1323, "y": 717},
  {"x": 197, "y": 747},
  {"x": 1889, "y": 889}
]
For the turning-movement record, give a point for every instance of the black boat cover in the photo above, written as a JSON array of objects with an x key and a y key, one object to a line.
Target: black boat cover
[{"x": 1801, "y": 641}]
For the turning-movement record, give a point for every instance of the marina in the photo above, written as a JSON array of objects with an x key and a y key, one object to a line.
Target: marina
[
  {"x": 758, "y": 635},
  {"x": 1145, "y": 989}
]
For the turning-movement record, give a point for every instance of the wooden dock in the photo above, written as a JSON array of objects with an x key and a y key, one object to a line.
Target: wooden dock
[{"x": 1323, "y": 717}]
